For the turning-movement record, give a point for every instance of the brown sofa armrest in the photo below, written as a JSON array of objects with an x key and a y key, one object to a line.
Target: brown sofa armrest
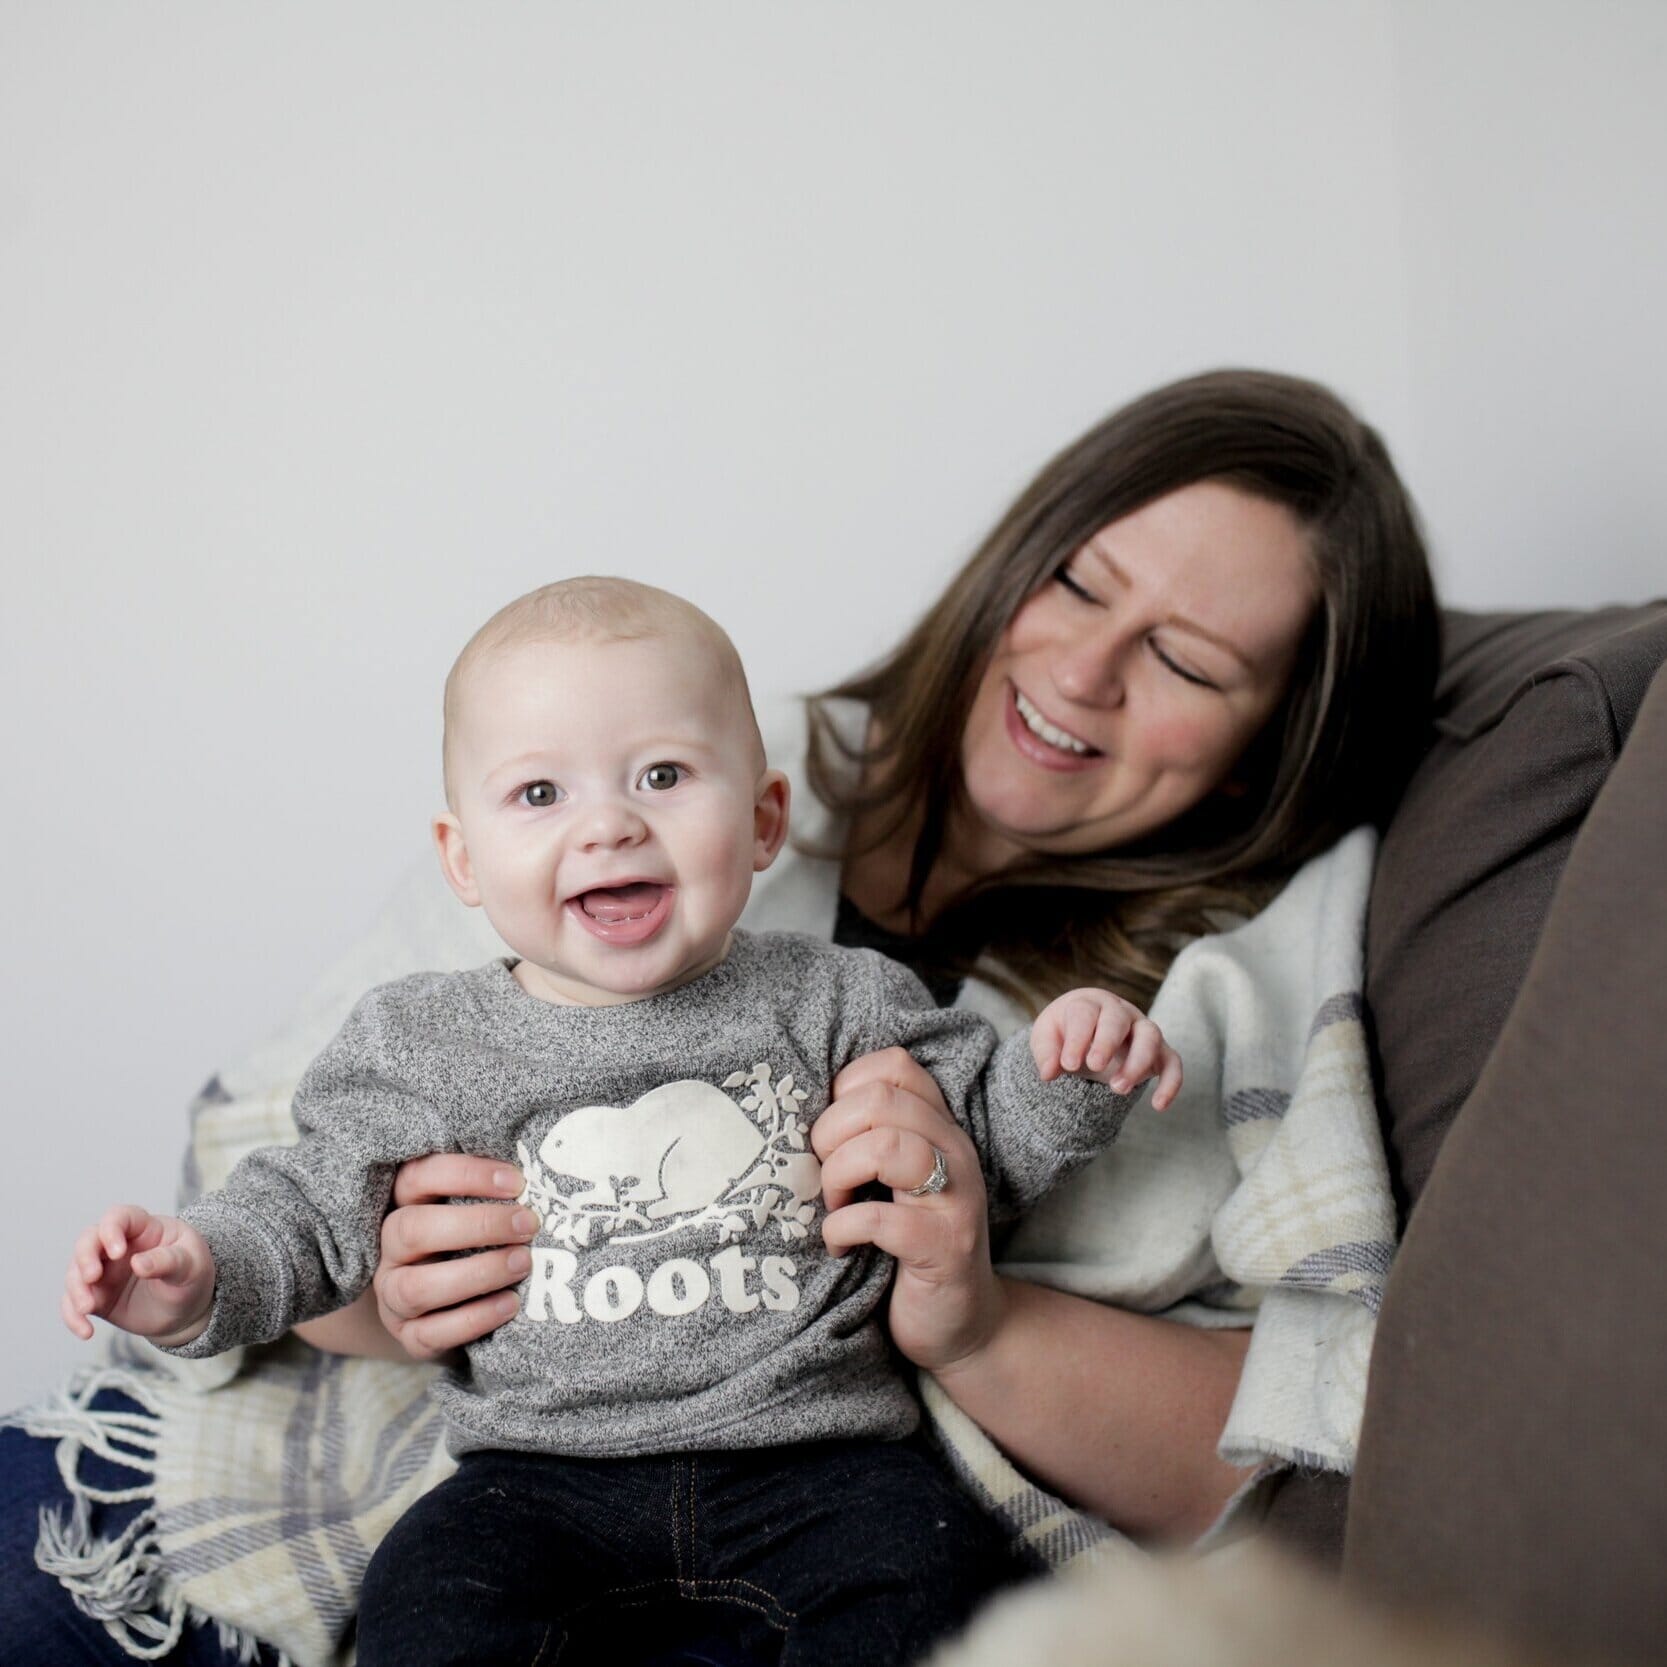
[
  {"x": 1531, "y": 712},
  {"x": 1513, "y": 1464}
]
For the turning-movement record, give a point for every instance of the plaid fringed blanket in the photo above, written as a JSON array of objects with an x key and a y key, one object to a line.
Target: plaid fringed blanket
[
  {"x": 268, "y": 1479},
  {"x": 1262, "y": 1193}
]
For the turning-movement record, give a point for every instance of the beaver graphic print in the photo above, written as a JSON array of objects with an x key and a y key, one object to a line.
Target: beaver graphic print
[{"x": 722, "y": 1164}]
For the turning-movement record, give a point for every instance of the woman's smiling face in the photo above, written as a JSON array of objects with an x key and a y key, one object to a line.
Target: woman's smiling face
[{"x": 1126, "y": 688}]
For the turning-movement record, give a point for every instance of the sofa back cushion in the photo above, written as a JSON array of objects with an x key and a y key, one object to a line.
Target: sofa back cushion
[{"x": 1531, "y": 711}]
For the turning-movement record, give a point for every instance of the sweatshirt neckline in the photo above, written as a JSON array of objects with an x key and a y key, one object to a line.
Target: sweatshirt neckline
[{"x": 514, "y": 1009}]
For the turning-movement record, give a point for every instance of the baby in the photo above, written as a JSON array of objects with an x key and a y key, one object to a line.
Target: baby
[{"x": 695, "y": 1400}]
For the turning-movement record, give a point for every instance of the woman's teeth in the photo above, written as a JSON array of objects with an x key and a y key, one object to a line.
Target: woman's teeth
[{"x": 1038, "y": 725}]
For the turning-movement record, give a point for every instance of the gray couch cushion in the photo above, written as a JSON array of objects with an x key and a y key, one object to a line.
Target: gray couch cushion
[
  {"x": 1531, "y": 712},
  {"x": 1512, "y": 1466}
]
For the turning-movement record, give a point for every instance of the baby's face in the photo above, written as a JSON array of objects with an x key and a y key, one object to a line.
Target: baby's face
[{"x": 610, "y": 810}]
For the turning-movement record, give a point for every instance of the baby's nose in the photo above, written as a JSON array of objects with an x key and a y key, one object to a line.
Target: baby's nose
[{"x": 611, "y": 825}]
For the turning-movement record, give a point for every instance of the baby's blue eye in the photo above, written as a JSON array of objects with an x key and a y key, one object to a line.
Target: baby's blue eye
[
  {"x": 540, "y": 794},
  {"x": 659, "y": 777}
]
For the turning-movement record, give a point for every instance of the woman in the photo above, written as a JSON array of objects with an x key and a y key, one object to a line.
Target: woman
[{"x": 1195, "y": 652}]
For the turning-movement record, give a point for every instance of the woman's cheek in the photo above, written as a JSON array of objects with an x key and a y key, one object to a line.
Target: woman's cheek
[{"x": 1179, "y": 742}]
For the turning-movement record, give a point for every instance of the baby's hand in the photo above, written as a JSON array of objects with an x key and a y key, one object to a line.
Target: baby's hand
[
  {"x": 1092, "y": 1033},
  {"x": 151, "y": 1275}
]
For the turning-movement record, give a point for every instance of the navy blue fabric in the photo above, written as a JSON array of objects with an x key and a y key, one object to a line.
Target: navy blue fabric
[
  {"x": 855, "y": 1553},
  {"x": 38, "y": 1621}
]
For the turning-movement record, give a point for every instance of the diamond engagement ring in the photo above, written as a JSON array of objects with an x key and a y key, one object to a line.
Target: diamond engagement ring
[{"x": 936, "y": 1181}]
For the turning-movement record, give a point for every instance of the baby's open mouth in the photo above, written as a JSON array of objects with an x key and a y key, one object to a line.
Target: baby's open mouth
[{"x": 610, "y": 905}]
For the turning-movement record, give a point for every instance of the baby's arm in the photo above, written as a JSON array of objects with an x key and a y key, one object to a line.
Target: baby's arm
[
  {"x": 151, "y": 1275},
  {"x": 1032, "y": 1123},
  {"x": 1092, "y": 1033}
]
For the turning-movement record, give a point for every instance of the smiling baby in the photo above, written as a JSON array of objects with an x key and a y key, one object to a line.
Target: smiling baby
[{"x": 696, "y": 1402}]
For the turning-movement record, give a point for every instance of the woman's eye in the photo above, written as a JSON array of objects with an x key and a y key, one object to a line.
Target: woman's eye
[
  {"x": 658, "y": 777},
  {"x": 1181, "y": 671},
  {"x": 539, "y": 794},
  {"x": 1064, "y": 577}
]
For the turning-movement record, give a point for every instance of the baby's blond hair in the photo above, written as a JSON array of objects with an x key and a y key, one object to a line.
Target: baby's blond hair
[{"x": 591, "y": 608}]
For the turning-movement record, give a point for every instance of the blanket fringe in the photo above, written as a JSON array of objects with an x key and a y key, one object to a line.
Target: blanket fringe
[{"x": 118, "y": 1581}]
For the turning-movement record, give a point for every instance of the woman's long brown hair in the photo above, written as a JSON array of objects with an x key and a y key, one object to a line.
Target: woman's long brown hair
[{"x": 1336, "y": 753}]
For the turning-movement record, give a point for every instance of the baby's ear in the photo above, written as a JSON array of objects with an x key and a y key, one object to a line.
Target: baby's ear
[
  {"x": 769, "y": 819},
  {"x": 454, "y": 858}
]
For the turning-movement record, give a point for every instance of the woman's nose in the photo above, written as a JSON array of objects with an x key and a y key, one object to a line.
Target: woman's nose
[{"x": 1089, "y": 670}]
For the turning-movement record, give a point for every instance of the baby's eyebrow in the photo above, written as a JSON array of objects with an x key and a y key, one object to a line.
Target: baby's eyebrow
[
  {"x": 516, "y": 766},
  {"x": 665, "y": 746}
]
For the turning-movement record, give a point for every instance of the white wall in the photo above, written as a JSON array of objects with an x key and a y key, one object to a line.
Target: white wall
[
  {"x": 1531, "y": 147},
  {"x": 325, "y": 329}
]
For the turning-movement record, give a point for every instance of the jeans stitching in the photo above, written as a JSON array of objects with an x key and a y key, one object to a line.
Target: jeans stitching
[
  {"x": 714, "y": 1591},
  {"x": 676, "y": 1544},
  {"x": 694, "y": 1560}
]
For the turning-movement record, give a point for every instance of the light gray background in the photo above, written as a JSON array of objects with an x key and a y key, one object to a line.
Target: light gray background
[{"x": 325, "y": 329}]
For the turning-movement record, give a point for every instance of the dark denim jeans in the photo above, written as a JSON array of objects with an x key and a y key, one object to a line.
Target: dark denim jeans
[{"x": 845, "y": 1552}]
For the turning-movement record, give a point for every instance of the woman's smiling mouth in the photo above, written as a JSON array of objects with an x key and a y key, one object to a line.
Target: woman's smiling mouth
[{"x": 1043, "y": 741}]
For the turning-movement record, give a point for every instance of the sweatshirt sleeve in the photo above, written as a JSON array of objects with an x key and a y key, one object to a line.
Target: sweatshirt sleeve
[
  {"x": 295, "y": 1232},
  {"x": 1030, "y": 1134}
]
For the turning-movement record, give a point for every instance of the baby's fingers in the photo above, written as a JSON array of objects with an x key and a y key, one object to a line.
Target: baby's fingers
[
  {"x": 1143, "y": 1058},
  {"x": 1169, "y": 1081},
  {"x": 1045, "y": 1038},
  {"x": 75, "y": 1318},
  {"x": 1111, "y": 1030},
  {"x": 1079, "y": 1022},
  {"x": 169, "y": 1263},
  {"x": 80, "y": 1301},
  {"x": 88, "y": 1255},
  {"x": 119, "y": 1226}
]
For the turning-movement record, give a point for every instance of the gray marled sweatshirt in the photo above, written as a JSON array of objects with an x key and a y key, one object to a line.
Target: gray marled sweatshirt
[{"x": 680, "y": 1297}]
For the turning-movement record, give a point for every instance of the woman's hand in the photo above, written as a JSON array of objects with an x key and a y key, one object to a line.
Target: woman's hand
[
  {"x": 1119, "y": 1412},
  {"x": 886, "y": 1117},
  {"x": 431, "y": 1306}
]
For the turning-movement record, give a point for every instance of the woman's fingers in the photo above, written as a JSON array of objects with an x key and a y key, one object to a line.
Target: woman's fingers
[
  {"x": 894, "y": 1117},
  {"x": 443, "y": 1175},
  {"x": 927, "y": 1243},
  {"x": 887, "y": 1227},
  {"x": 874, "y": 1100},
  {"x": 431, "y": 1305},
  {"x": 418, "y": 1231},
  {"x": 895, "y": 1067},
  {"x": 445, "y": 1329},
  {"x": 894, "y": 1157},
  {"x": 408, "y": 1293}
]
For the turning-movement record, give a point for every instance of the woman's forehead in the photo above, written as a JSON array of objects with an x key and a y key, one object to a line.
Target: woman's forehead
[{"x": 1231, "y": 563}]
